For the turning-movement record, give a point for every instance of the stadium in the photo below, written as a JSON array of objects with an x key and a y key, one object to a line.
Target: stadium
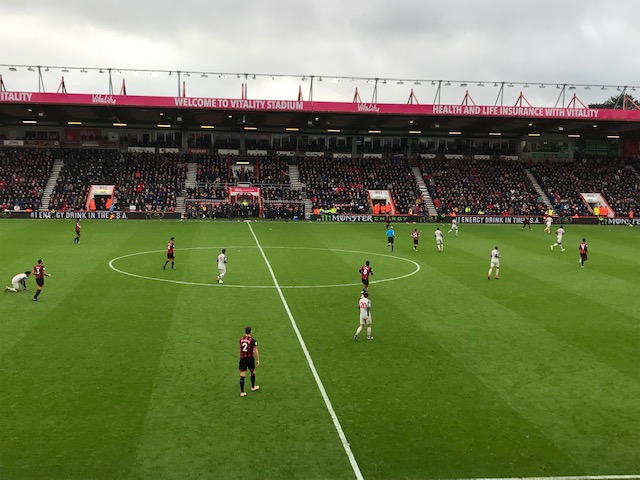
[{"x": 125, "y": 369}]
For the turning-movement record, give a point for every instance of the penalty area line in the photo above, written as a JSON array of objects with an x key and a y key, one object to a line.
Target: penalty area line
[{"x": 316, "y": 376}]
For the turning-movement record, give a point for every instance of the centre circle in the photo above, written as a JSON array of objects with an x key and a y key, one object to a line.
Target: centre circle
[{"x": 183, "y": 282}]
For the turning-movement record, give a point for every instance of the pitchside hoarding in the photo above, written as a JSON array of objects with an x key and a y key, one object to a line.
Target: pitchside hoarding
[{"x": 97, "y": 215}]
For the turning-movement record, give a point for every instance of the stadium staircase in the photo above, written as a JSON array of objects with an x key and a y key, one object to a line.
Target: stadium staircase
[
  {"x": 294, "y": 177},
  {"x": 539, "y": 190},
  {"x": 431, "y": 208},
  {"x": 51, "y": 184},
  {"x": 296, "y": 184},
  {"x": 190, "y": 182}
]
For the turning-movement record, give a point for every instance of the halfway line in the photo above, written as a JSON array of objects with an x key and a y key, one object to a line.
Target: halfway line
[{"x": 323, "y": 392}]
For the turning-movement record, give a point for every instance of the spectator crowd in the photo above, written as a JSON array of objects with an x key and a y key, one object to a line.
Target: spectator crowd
[
  {"x": 23, "y": 177},
  {"x": 152, "y": 182},
  {"x": 342, "y": 183},
  {"x": 143, "y": 181},
  {"x": 492, "y": 187}
]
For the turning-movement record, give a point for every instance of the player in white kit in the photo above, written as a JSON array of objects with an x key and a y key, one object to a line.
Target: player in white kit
[
  {"x": 495, "y": 262},
  {"x": 364, "y": 304},
  {"x": 454, "y": 226},
  {"x": 20, "y": 280},
  {"x": 548, "y": 221},
  {"x": 439, "y": 240},
  {"x": 559, "y": 235},
  {"x": 222, "y": 266}
]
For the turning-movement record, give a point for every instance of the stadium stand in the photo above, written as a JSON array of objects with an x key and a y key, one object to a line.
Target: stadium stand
[
  {"x": 494, "y": 187},
  {"x": 564, "y": 181},
  {"x": 144, "y": 181},
  {"x": 210, "y": 197},
  {"x": 279, "y": 199},
  {"x": 343, "y": 182},
  {"x": 23, "y": 176},
  {"x": 272, "y": 170},
  {"x": 151, "y": 182}
]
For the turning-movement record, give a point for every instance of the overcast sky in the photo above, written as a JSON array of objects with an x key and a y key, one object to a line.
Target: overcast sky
[{"x": 554, "y": 42}]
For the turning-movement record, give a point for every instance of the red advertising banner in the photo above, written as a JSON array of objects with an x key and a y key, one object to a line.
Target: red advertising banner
[
  {"x": 77, "y": 134},
  {"x": 307, "y": 106},
  {"x": 237, "y": 190},
  {"x": 198, "y": 151}
]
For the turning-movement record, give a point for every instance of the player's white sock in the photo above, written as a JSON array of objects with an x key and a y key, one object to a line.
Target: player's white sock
[
  {"x": 490, "y": 270},
  {"x": 497, "y": 272},
  {"x": 358, "y": 330},
  {"x": 11, "y": 289},
  {"x": 369, "y": 331}
]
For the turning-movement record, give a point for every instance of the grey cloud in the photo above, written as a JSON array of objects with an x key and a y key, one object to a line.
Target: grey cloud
[{"x": 588, "y": 41}]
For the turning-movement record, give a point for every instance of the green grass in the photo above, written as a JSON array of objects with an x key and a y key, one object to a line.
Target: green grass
[{"x": 118, "y": 376}]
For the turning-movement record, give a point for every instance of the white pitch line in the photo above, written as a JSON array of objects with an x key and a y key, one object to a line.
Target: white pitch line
[
  {"x": 575, "y": 477},
  {"x": 228, "y": 285},
  {"x": 323, "y": 392}
]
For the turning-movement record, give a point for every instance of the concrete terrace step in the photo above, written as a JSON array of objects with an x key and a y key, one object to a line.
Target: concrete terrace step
[
  {"x": 181, "y": 205},
  {"x": 192, "y": 175},
  {"x": 538, "y": 189},
  {"x": 428, "y": 201},
  {"x": 51, "y": 184}
]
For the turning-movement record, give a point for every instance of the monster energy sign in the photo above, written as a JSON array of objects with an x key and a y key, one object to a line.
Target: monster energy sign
[
  {"x": 337, "y": 217},
  {"x": 352, "y": 218}
]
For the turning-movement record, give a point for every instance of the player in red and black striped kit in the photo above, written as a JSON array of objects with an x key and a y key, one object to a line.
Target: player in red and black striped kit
[
  {"x": 416, "y": 238},
  {"x": 249, "y": 360},
  {"x": 77, "y": 239},
  {"x": 365, "y": 271},
  {"x": 583, "y": 248},
  {"x": 171, "y": 254},
  {"x": 40, "y": 273}
]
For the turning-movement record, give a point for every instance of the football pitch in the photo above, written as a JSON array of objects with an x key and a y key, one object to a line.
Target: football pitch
[{"x": 125, "y": 370}]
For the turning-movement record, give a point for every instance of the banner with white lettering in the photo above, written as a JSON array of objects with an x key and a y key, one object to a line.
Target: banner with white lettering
[
  {"x": 379, "y": 194},
  {"x": 620, "y": 221},
  {"x": 141, "y": 149},
  {"x": 78, "y": 134},
  {"x": 517, "y": 219},
  {"x": 198, "y": 151},
  {"x": 97, "y": 215},
  {"x": 308, "y": 106},
  {"x": 354, "y": 218}
]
